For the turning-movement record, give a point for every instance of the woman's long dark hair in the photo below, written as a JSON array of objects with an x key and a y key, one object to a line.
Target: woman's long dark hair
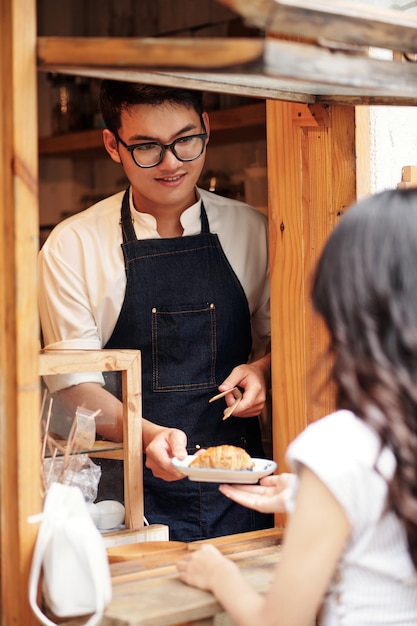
[{"x": 365, "y": 288}]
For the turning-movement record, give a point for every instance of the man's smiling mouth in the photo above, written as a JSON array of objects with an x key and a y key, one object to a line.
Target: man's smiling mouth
[{"x": 170, "y": 179}]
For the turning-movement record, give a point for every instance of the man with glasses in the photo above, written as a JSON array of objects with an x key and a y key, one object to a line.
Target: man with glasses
[{"x": 180, "y": 274}]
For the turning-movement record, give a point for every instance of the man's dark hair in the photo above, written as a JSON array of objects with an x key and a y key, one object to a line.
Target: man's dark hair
[{"x": 116, "y": 96}]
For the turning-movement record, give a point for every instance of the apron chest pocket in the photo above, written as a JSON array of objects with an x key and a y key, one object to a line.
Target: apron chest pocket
[{"x": 176, "y": 354}]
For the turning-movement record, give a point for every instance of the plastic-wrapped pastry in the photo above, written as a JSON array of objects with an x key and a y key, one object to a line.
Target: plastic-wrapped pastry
[{"x": 224, "y": 457}]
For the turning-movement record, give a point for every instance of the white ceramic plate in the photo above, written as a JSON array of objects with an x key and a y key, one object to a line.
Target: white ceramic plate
[{"x": 262, "y": 467}]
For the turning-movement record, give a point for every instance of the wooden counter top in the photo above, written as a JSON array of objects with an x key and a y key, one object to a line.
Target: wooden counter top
[{"x": 148, "y": 592}]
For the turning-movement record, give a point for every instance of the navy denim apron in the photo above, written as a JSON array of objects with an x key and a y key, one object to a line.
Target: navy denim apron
[{"x": 186, "y": 310}]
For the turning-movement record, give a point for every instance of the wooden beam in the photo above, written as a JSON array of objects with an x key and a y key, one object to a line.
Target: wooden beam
[
  {"x": 328, "y": 22},
  {"x": 335, "y": 72},
  {"x": 19, "y": 328},
  {"x": 193, "y": 52},
  {"x": 291, "y": 71},
  {"x": 255, "y": 85}
]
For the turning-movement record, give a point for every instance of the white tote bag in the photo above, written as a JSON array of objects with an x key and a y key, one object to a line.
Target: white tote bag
[{"x": 71, "y": 554}]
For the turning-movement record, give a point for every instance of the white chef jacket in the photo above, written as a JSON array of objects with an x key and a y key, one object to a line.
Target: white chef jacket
[
  {"x": 82, "y": 276},
  {"x": 376, "y": 583}
]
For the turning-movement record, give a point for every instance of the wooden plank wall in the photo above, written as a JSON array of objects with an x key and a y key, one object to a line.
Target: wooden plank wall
[
  {"x": 311, "y": 161},
  {"x": 19, "y": 333}
]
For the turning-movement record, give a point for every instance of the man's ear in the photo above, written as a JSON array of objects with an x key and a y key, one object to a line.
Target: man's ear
[
  {"x": 110, "y": 143},
  {"x": 206, "y": 121}
]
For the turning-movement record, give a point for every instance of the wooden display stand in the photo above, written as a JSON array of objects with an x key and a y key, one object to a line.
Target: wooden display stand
[{"x": 130, "y": 452}]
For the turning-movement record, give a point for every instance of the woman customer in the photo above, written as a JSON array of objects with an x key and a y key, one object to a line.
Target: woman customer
[{"x": 350, "y": 548}]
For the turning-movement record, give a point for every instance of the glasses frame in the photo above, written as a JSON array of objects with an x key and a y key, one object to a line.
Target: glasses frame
[{"x": 164, "y": 148}]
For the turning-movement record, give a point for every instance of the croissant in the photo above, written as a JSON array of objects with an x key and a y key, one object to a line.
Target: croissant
[{"x": 224, "y": 457}]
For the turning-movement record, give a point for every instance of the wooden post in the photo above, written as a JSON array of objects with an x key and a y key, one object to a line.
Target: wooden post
[
  {"x": 19, "y": 331},
  {"x": 311, "y": 179}
]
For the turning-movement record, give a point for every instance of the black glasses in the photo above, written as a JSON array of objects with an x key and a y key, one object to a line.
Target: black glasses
[{"x": 151, "y": 153}]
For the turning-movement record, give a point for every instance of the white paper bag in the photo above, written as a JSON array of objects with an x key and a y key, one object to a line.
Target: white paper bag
[{"x": 71, "y": 553}]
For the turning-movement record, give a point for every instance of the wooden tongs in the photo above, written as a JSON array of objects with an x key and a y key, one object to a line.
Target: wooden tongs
[{"x": 238, "y": 396}]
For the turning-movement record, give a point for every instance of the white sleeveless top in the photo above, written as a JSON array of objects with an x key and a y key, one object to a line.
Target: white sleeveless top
[{"x": 376, "y": 582}]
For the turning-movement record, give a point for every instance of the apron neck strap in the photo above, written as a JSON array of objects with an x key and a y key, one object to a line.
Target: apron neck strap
[
  {"x": 126, "y": 220},
  {"x": 205, "y": 228}
]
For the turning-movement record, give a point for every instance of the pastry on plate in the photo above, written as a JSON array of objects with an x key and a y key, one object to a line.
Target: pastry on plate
[{"x": 223, "y": 457}]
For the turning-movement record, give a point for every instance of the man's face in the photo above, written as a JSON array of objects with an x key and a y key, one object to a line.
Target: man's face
[{"x": 172, "y": 182}]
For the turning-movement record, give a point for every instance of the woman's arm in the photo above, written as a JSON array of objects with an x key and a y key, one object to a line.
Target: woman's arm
[{"x": 315, "y": 538}]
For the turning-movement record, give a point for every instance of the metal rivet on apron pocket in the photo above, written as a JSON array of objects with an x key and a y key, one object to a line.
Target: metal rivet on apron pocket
[
  {"x": 154, "y": 310},
  {"x": 212, "y": 305}
]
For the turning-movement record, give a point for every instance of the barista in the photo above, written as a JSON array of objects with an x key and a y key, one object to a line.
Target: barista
[{"x": 180, "y": 274}]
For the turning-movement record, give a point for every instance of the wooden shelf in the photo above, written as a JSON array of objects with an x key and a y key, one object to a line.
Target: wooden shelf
[
  {"x": 226, "y": 127},
  {"x": 101, "y": 450},
  {"x": 72, "y": 144},
  {"x": 52, "y": 362}
]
